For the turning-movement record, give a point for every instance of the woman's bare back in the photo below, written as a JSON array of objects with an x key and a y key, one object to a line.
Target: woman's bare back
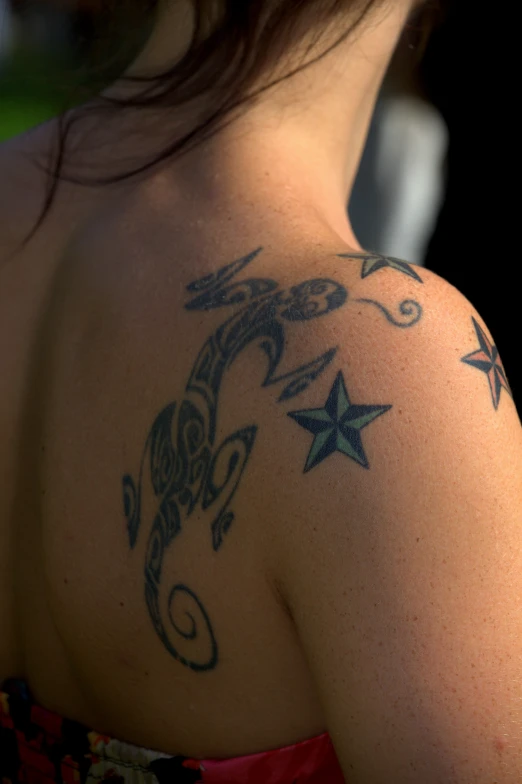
[
  {"x": 254, "y": 487},
  {"x": 105, "y": 318}
]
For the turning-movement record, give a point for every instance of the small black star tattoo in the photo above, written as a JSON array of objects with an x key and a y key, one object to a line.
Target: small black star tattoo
[{"x": 371, "y": 262}]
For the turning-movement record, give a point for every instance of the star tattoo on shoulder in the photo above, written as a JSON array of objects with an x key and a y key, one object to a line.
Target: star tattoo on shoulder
[
  {"x": 336, "y": 426},
  {"x": 487, "y": 359},
  {"x": 371, "y": 262}
]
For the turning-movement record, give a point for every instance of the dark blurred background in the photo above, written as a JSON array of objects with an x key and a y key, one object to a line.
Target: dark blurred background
[{"x": 437, "y": 179}]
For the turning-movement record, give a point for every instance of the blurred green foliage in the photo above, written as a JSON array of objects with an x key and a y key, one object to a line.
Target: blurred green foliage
[
  {"x": 37, "y": 84},
  {"x": 33, "y": 88}
]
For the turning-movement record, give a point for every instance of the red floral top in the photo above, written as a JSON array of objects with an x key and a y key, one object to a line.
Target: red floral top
[{"x": 38, "y": 746}]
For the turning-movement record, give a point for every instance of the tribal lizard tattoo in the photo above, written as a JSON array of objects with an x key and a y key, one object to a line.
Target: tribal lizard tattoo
[{"x": 181, "y": 463}]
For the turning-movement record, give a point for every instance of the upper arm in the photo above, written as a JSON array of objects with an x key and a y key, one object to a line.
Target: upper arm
[{"x": 397, "y": 548}]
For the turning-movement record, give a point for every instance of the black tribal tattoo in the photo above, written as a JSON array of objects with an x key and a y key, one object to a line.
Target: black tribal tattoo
[{"x": 181, "y": 463}]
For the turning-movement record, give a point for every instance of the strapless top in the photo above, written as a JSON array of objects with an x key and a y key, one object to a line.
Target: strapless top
[{"x": 39, "y": 746}]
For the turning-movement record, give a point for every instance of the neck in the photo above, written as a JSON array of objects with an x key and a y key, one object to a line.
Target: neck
[{"x": 299, "y": 146}]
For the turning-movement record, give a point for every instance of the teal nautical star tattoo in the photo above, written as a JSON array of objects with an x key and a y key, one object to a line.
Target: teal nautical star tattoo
[{"x": 337, "y": 425}]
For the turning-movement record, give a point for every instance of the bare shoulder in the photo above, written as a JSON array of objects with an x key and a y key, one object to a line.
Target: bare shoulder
[
  {"x": 27, "y": 163},
  {"x": 20, "y": 155},
  {"x": 23, "y": 181},
  {"x": 395, "y": 513}
]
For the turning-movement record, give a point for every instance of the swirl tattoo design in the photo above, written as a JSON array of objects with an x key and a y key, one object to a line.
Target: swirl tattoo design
[
  {"x": 409, "y": 308},
  {"x": 182, "y": 464}
]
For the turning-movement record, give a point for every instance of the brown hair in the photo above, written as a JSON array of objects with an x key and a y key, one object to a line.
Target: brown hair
[{"x": 240, "y": 40}]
